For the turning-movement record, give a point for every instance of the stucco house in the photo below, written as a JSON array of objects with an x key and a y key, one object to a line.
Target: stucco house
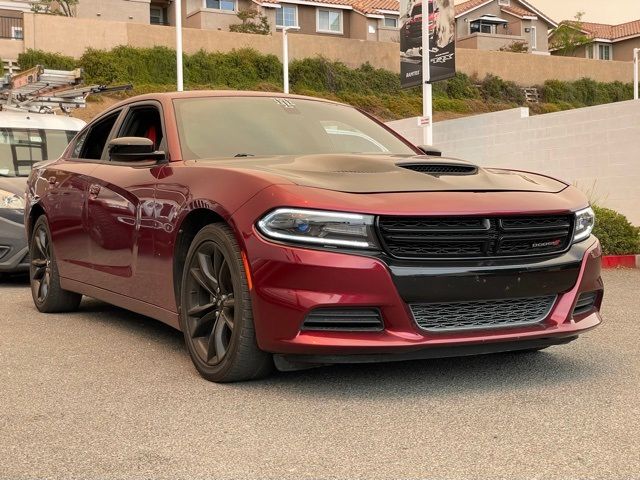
[
  {"x": 607, "y": 42},
  {"x": 497, "y": 24}
]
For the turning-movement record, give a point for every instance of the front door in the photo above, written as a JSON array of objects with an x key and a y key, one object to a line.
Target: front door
[{"x": 121, "y": 211}]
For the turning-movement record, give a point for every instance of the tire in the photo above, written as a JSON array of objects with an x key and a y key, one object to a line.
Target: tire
[
  {"x": 47, "y": 294},
  {"x": 216, "y": 315}
]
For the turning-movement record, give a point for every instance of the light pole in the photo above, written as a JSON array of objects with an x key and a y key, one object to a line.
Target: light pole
[
  {"x": 179, "y": 73},
  {"x": 636, "y": 53},
  {"x": 427, "y": 92},
  {"x": 285, "y": 57}
]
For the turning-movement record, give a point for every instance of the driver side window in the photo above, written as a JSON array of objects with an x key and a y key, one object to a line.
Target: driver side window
[{"x": 144, "y": 121}]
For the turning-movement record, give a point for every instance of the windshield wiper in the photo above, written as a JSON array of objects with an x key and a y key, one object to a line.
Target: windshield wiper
[{"x": 244, "y": 155}]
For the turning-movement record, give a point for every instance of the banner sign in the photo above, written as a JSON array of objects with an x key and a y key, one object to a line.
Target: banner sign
[{"x": 442, "y": 41}]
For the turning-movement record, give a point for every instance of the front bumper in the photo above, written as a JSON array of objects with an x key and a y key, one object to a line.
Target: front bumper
[
  {"x": 13, "y": 242},
  {"x": 288, "y": 282}
]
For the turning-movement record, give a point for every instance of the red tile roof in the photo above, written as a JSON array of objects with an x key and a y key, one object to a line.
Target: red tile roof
[
  {"x": 517, "y": 11},
  {"x": 470, "y": 5},
  {"x": 612, "y": 32},
  {"x": 366, "y": 7}
]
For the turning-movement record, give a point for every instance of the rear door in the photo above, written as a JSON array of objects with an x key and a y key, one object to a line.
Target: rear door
[
  {"x": 65, "y": 198},
  {"x": 121, "y": 209}
]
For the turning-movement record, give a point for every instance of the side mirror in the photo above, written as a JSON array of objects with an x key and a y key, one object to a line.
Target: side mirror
[
  {"x": 133, "y": 149},
  {"x": 429, "y": 150}
]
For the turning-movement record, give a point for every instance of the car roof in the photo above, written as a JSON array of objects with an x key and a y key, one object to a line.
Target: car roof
[
  {"x": 40, "y": 121},
  {"x": 168, "y": 96}
]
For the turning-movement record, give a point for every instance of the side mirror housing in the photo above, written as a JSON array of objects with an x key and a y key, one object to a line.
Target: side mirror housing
[
  {"x": 429, "y": 150},
  {"x": 133, "y": 149}
]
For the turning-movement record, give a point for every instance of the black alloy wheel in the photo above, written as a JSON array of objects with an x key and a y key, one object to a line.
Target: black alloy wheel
[
  {"x": 216, "y": 316},
  {"x": 211, "y": 304},
  {"x": 48, "y": 295}
]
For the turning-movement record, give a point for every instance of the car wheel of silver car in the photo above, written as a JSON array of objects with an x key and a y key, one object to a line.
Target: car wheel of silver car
[
  {"x": 48, "y": 295},
  {"x": 216, "y": 316}
]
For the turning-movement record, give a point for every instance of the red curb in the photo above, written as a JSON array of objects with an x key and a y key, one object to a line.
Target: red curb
[{"x": 621, "y": 261}]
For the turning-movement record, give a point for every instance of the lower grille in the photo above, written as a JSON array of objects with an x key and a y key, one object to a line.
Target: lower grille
[
  {"x": 482, "y": 314},
  {"x": 344, "y": 319},
  {"x": 475, "y": 237},
  {"x": 586, "y": 302}
]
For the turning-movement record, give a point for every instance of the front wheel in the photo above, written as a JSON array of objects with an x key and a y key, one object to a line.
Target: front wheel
[
  {"x": 216, "y": 316},
  {"x": 47, "y": 294}
]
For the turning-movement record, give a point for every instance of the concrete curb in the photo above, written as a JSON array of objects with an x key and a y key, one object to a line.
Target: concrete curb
[{"x": 621, "y": 261}]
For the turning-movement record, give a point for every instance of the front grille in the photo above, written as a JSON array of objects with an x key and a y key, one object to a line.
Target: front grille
[
  {"x": 344, "y": 319},
  {"x": 586, "y": 302},
  {"x": 475, "y": 237},
  {"x": 440, "y": 169},
  {"x": 482, "y": 314}
]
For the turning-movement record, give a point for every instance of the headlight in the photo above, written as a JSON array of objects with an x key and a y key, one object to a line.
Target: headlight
[
  {"x": 11, "y": 200},
  {"x": 320, "y": 228},
  {"x": 585, "y": 220}
]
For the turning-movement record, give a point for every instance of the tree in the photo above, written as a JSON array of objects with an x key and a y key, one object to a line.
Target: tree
[
  {"x": 65, "y": 8},
  {"x": 569, "y": 36},
  {"x": 252, "y": 22}
]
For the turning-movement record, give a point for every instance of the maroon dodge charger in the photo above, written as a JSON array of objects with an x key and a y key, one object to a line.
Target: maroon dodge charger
[{"x": 294, "y": 232}]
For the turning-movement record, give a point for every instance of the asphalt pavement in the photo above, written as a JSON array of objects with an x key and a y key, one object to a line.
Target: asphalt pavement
[{"x": 104, "y": 393}]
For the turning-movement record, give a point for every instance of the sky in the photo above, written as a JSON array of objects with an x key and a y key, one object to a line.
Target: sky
[{"x": 599, "y": 11}]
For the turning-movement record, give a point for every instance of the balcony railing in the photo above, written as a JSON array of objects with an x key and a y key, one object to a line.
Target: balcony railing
[{"x": 11, "y": 27}]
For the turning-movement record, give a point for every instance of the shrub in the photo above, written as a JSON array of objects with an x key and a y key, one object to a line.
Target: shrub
[
  {"x": 252, "y": 22},
  {"x": 616, "y": 234},
  {"x": 54, "y": 61},
  {"x": 497, "y": 90}
]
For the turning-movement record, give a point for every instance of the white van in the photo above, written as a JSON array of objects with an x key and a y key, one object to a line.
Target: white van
[{"x": 26, "y": 138}]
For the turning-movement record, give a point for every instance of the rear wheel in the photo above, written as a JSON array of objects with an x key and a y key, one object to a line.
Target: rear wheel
[
  {"x": 215, "y": 310},
  {"x": 47, "y": 294}
]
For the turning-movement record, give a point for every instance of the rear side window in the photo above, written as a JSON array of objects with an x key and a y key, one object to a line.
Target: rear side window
[{"x": 91, "y": 143}]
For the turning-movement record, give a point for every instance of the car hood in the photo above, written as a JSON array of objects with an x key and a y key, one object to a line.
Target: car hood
[
  {"x": 388, "y": 173},
  {"x": 15, "y": 185}
]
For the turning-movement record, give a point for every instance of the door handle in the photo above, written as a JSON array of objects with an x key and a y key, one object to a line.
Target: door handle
[{"x": 94, "y": 190}]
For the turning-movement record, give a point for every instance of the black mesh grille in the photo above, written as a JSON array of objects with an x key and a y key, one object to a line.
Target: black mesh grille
[
  {"x": 482, "y": 314},
  {"x": 440, "y": 169},
  {"x": 344, "y": 319},
  {"x": 475, "y": 237}
]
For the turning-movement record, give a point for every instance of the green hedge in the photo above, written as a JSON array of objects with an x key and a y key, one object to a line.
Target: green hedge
[
  {"x": 373, "y": 89},
  {"x": 616, "y": 234},
  {"x": 585, "y": 92}
]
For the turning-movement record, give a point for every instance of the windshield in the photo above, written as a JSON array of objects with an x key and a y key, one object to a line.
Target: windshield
[
  {"x": 20, "y": 148},
  {"x": 253, "y": 126}
]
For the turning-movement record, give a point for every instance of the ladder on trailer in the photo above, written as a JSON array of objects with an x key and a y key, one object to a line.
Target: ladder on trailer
[{"x": 41, "y": 90}]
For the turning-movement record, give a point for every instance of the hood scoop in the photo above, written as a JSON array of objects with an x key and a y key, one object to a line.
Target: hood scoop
[{"x": 440, "y": 168}]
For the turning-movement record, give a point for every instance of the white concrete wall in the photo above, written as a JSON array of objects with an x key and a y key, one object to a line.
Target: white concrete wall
[{"x": 595, "y": 148}]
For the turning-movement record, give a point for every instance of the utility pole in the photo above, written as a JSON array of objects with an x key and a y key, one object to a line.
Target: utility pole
[
  {"x": 179, "y": 72},
  {"x": 285, "y": 57},
  {"x": 636, "y": 53},
  {"x": 427, "y": 91}
]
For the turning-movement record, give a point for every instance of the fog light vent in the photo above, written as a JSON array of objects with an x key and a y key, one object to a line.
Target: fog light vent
[
  {"x": 344, "y": 319},
  {"x": 3, "y": 251},
  {"x": 586, "y": 302}
]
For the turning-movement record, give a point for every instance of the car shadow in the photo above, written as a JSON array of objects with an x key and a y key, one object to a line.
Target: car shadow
[{"x": 449, "y": 376}]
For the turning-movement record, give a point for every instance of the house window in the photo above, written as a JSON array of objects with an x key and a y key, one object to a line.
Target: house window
[
  {"x": 156, "y": 15},
  {"x": 504, "y": 3},
  {"x": 329, "y": 21},
  {"x": 481, "y": 27},
  {"x": 287, "y": 16},
  {"x": 17, "y": 33},
  {"x": 391, "y": 22},
  {"x": 229, "y": 5},
  {"x": 534, "y": 38},
  {"x": 604, "y": 52},
  {"x": 589, "y": 49}
]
